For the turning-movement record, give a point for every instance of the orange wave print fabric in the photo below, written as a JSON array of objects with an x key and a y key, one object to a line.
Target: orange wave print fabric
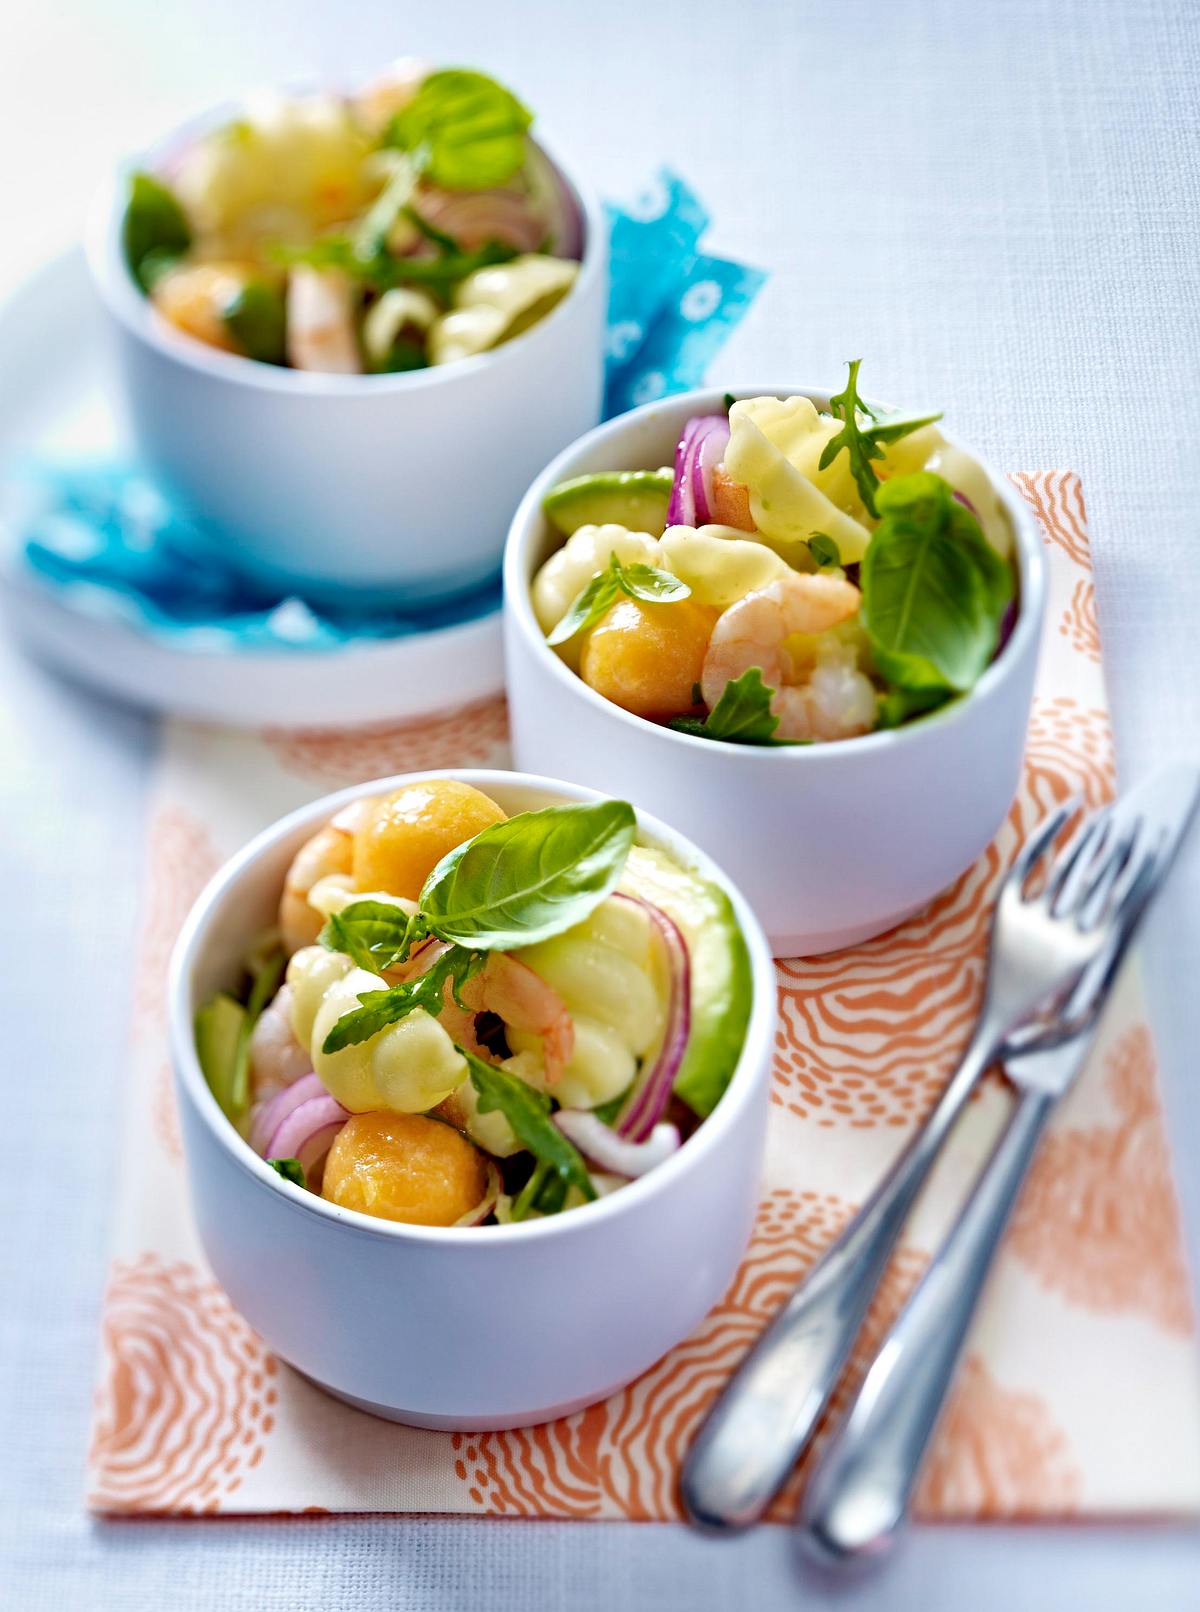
[
  {"x": 868, "y": 1036},
  {"x": 1079, "y": 1395},
  {"x": 1098, "y": 1222},
  {"x": 186, "y": 1400}
]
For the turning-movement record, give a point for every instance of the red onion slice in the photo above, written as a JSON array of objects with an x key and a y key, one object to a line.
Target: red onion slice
[
  {"x": 697, "y": 454},
  {"x": 601, "y": 1145},
  {"x": 301, "y": 1133},
  {"x": 270, "y": 1115},
  {"x": 477, "y": 1216},
  {"x": 651, "y": 1092},
  {"x": 474, "y": 217}
]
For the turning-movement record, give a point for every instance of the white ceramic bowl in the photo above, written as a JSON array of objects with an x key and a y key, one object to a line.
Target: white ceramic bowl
[
  {"x": 831, "y": 843},
  {"x": 480, "y": 1328},
  {"x": 348, "y": 487}
]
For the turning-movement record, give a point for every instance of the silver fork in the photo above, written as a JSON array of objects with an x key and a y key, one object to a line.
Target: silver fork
[
  {"x": 858, "y": 1498},
  {"x": 1039, "y": 957}
]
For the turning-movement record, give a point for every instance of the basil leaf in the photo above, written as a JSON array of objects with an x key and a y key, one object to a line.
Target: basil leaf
[
  {"x": 742, "y": 715},
  {"x": 262, "y": 988},
  {"x": 899, "y": 705},
  {"x": 256, "y": 319},
  {"x": 379, "y": 1009},
  {"x": 376, "y": 934},
  {"x": 530, "y": 877},
  {"x": 528, "y": 1112},
  {"x": 290, "y": 1169},
  {"x": 464, "y": 130},
  {"x": 586, "y": 608},
  {"x": 934, "y": 590},
  {"x": 729, "y": 401},
  {"x": 824, "y": 550},
  {"x": 649, "y": 583},
  {"x": 154, "y": 228}
]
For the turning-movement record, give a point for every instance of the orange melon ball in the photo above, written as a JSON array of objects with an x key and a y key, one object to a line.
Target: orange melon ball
[
  {"x": 647, "y": 658},
  {"x": 404, "y": 1167},
  {"x": 406, "y": 834}
]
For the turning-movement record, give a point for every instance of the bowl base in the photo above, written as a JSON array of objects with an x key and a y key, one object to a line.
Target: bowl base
[
  {"x": 463, "y": 1424},
  {"x": 805, "y": 944}
]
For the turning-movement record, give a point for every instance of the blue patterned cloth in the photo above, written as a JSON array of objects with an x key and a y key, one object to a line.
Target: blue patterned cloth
[{"x": 104, "y": 538}]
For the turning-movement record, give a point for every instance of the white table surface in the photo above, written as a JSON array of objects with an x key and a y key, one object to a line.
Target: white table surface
[{"x": 994, "y": 201}]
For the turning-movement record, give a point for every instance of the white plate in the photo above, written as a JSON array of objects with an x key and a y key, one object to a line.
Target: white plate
[{"x": 54, "y": 402}]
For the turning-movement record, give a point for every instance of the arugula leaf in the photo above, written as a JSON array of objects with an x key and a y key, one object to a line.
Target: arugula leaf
[
  {"x": 742, "y": 715},
  {"x": 380, "y": 1008},
  {"x": 933, "y": 588},
  {"x": 824, "y": 550},
  {"x": 464, "y": 130},
  {"x": 528, "y": 1112},
  {"x": 256, "y": 318},
  {"x": 636, "y": 581},
  {"x": 290, "y": 1169},
  {"x": 864, "y": 443},
  {"x": 376, "y": 934},
  {"x": 529, "y": 877},
  {"x": 154, "y": 231}
]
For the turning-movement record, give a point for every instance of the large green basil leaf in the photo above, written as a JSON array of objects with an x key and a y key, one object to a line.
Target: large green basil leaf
[
  {"x": 465, "y": 131},
  {"x": 934, "y": 590},
  {"x": 531, "y": 877},
  {"x": 154, "y": 230}
]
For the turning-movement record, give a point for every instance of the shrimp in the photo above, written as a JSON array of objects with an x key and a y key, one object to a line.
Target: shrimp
[
  {"x": 320, "y": 325},
  {"x": 837, "y": 701},
  {"x": 276, "y": 1057},
  {"x": 329, "y": 851},
  {"x": 524, "y": 1001}
]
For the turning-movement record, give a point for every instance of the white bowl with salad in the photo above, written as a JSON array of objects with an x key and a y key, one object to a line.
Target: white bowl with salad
[
  {"x": 800, "y": 626},
  {"x": 472, "y": 1071},
  {"x": 350, "y": 328}
]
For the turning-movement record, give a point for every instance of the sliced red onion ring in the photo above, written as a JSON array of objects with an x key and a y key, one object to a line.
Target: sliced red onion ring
[
  {"x": 697, "y": 454},
  {"x": 474, "y": 217},
  {"x": 477, "y": 1216},
  {"x": 270, "y": 1115},
  {"x": 308, "y": 1131},
  {"x": 651, "y": 1092},
  {"x": 601, "y": 1145}
]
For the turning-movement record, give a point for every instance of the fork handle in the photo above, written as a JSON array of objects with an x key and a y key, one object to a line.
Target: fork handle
[
  {"x": 858, "y": 1497},
  {"x": 764, "y": 1420}
]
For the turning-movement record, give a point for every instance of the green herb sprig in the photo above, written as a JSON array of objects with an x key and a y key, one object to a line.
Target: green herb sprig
[
  {"x": 636, "y": 581},
  {"x": 864, "y": 443},
  {"x": 742, "y": 715}
]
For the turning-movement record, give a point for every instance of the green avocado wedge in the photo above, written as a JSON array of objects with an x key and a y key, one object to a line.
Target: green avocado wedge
[
  {"x": 635, "y": 499},
  {"x": 220, "y": 1028},
  {"x": 722, "y": 985}
]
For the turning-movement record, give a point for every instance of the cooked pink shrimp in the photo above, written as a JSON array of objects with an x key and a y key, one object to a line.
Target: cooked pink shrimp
[
  {"x": 836, "y": 701},
  {"x": 329, "y": 851},
  {"x": 511, "y": 990},
  {"x": 524, "y": 1001},
  {"x": 276, "y": 1057},
  {"x": 320, "y": 325}
]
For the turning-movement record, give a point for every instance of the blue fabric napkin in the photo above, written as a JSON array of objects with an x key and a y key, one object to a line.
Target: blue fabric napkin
[{"x": 105, "y": 539}]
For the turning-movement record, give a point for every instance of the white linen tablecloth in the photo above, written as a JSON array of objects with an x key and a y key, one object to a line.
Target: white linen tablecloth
[{"x": 995, "y": 204}]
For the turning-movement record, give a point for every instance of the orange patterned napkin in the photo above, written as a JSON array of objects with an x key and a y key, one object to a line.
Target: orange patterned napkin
[{"x": 1079, "y": 1393}]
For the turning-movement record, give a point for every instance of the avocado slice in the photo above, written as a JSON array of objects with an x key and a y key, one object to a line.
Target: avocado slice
[
  {"x": 720, "y": 966},
  {"x": 635, "y": 499},
  {"x": 220, "y": 1030}
]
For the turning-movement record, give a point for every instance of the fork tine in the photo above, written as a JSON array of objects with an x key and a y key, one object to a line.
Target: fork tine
[
  {"x": 1043, "y": 836},
  {"x": 1068, "y": 881},
  {"x": 1113, "y": 875}
]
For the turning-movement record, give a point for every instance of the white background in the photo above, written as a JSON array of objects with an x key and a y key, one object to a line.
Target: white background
[{"x": 993, "y": 201}]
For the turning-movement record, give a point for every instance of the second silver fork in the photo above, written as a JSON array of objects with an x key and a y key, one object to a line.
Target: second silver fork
[{"x": 1039, "y": 955}]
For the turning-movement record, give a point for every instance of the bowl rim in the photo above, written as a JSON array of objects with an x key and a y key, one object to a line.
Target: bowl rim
[
  {"x": 132, "y": 309},
  {"x": 711, "y": 1133},
  {"x": 525, "y": 528}
]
